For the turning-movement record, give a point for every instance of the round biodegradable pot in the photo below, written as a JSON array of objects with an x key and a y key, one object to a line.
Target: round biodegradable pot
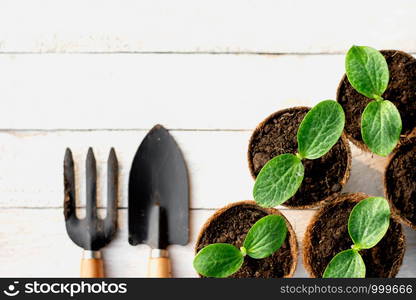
[
  {"x": 231, "y": 224},
  {"x": 327, "y": 235},
  {"x": 401, "y": 91},
  {"x": 400, "y": 182},
  {"x": 324, "y": 177}
]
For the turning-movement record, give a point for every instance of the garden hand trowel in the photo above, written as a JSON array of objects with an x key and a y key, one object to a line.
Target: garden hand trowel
[{"x": 158, "y": 199}]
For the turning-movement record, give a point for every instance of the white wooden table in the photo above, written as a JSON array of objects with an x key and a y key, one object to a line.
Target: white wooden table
[{"x": 102, "y": 73}]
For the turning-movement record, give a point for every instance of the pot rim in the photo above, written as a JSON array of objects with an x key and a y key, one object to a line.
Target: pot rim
[
  {"x": 344, "y": 140},
  {"x": 292, "y": 238},
  {"x": 396, "y": 211}
]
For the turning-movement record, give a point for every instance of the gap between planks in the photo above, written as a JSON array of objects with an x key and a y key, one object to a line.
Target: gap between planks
[
  {"x": 181, "y": 53},
  {"x": 126, "y": 208},
  {"x": 75, "y": 130}
]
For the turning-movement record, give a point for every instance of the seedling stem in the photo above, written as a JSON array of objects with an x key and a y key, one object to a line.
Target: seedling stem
[{"x": 243, "y": 251}]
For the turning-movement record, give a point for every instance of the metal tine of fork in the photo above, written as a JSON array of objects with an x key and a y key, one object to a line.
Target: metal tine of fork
[
  {"x": 110, "y": 221},
  {"x": 69, "y": 186},
  {"x": 91, "y": 180}
]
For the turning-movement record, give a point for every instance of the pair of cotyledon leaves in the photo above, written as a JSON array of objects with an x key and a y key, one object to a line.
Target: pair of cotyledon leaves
[
  {"x": 282, "y": 176},
  {"x": 367, "y": 224},
  {"x": 264, "y": 238},
  {"x": 381, "y": 124}
]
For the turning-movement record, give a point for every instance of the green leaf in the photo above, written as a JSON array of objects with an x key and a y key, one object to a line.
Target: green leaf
[
  {"x": 367, "y": 71},
  {"x": 278, "y": 180},
  {"x": 381, "y": 126},
  {"x": 369, "y": 221},
  {"x": 218, "y": 260},
  {"x": 346, "y": 264},
  {"x": 320, "y": 129},
  {"x": 266, "y": 236}
]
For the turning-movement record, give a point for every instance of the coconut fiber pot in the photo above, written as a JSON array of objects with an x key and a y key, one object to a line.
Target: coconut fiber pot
[
  {"x": 400, "y": 182},
  {"x": 401, "y": 91},
  {"x": 324, "y": 177},
  {"x": 231, "y": 223},
  {"x": 327, "y": 235}
]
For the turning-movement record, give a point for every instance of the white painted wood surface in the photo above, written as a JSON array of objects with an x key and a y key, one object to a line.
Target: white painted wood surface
[
  {"x": 216, "y": 160},
  {"x": 85, "y": 91},
  {"x": 299, "y": 26},
  {"x": 112, "y": 70}
]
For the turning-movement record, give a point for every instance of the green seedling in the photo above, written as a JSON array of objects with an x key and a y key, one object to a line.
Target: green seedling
[
  {"x": 281, "y": 177},
  {"x": 381, "y": 124},
  {"x": 367, "y": 224},
  {"x": 264, "y": 238}
]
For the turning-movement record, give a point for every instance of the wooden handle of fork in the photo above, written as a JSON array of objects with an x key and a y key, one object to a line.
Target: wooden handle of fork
[{"x": 92, "y": 268}]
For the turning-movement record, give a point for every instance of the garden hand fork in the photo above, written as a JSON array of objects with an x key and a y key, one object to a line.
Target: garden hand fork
[{"x": 91, "y": 233}]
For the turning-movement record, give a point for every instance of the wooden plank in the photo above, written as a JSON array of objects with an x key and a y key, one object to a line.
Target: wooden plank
[
  {"x": 209, "y": 26},
  {"x": 33, "y": 171},
  {"x": 34, "y": 176},
  {"x": 126, "y": 91},
  {"x": 33, "y": 243}
]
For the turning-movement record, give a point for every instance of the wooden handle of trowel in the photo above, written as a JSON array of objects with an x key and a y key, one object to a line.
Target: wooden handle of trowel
[
  {"x": 92, "y": 267},
  {"x": 159, "y": 267}
]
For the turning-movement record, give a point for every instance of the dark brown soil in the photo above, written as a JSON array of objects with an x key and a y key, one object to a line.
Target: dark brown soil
[
  {"x": 231, "y": 226},
  {"x": 328, "y": 235},
  {"x": 401, "y": 91},
  {"x": 400, "y": 182},
  {"x": 324, "y": 177}
]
